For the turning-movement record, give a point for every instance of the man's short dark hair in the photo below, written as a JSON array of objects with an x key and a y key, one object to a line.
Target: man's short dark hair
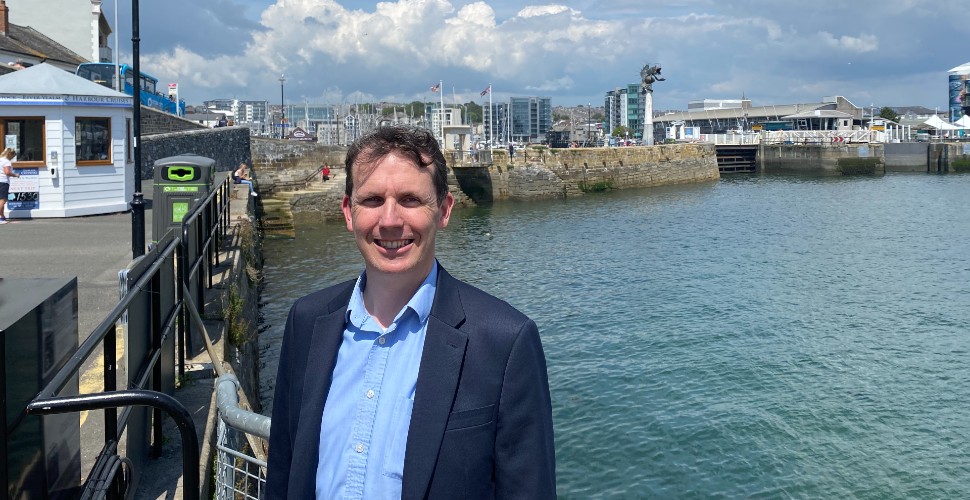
[{"x": 415, "y": 143}]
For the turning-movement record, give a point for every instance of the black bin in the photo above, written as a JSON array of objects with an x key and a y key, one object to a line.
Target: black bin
[{"x": 180, "y": 182}]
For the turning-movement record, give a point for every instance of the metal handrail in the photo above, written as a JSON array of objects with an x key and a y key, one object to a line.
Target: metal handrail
[
  {"x": 159, "y": 400},
  {"x": 208, "y": 219},
  {"x": 227, "y": 400}
]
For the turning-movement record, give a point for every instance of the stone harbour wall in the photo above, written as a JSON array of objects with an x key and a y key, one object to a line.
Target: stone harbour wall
[
  {"x": 228, "y": 146},
  {"x": 533, "y": 173},
  {"x": 560, "y": 173}
]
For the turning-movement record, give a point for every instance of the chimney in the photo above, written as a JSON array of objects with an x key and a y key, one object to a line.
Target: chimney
[{"x": 4, "y": 20}]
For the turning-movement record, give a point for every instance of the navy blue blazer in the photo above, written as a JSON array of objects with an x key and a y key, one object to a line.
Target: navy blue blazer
[{"x": 481, "y": 426}]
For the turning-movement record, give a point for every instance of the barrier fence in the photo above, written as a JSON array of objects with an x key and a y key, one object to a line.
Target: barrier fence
[
  {"x": 157, "y": 316},
  {"x": 240, "y": 462}
]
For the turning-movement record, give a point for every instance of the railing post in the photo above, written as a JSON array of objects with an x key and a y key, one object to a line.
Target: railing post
[
  {"x": 110, "y": 383},
  {"x": 155, "y": 296},
  {"x": 182, "y": 283}
]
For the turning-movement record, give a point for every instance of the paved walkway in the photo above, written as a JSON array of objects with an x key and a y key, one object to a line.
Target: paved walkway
[{"x": 94, "y": 249}]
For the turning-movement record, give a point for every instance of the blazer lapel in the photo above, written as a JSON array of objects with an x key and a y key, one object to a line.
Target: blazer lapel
[
  {"x": 321, "y": 358},
  {"x": 441, "y": 362}
]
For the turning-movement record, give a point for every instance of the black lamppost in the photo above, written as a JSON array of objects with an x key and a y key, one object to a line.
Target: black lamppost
[
  {"x": 282, "y": 108},
  {"x": 137, "y": 198}
]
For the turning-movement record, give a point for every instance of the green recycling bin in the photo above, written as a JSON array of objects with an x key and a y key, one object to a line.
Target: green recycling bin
[{"x": 180, "y": 182}]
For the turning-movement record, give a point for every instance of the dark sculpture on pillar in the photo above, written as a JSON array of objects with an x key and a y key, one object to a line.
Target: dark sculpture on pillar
[{"x": 648, "y": 75}]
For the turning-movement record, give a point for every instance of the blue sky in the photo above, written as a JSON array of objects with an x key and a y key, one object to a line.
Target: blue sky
[{"x": 889, "y": 52}]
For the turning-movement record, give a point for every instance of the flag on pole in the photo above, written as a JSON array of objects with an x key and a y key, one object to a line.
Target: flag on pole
[
  {"x": 487, "y": 90},
  {"x": 435, "y": 87}
]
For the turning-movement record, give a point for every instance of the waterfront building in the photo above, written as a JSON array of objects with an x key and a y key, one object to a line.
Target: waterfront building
[
  {"x": 78, "y": 26},
  {"x": 253, "y": 114},
  {"x": 832, "y": 113},
  {"x": 496, "y": 119},
  {"x": 624, "y": 107},
  {"x": 523, "y": 119},
  {"x": 531, "y": 118}
]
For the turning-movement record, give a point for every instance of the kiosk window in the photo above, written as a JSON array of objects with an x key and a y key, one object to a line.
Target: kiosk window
[
  {"x": 92, "y": 141},
  {"x": 26, "y": 135}
]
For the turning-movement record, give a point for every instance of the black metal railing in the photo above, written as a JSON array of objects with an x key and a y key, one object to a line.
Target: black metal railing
[{"x": 156, "y": 310}]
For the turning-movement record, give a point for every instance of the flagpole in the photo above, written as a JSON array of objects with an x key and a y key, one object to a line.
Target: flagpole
[
  {"x": 441, "y": 120},
  {"x": 491, "y": 119}
]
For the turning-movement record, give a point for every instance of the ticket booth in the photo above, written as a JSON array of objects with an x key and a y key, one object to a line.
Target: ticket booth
[{"x": 73, "y": 139}]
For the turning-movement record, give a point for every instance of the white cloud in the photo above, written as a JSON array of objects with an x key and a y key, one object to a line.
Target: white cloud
[
  {"x": 571, "y": 49},
  {"x": 859, "y": 45}
]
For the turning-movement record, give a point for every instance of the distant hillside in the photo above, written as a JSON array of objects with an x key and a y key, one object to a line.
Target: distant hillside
[{"x": 913, "y": 110}]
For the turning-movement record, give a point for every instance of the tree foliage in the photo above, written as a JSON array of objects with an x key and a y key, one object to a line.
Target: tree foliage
[
  {"x": 889, "y": 114},
  {"x": 620, "y": 131}
]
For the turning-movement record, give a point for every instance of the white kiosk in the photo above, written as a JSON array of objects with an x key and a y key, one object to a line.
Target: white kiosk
[{"x": 73, "y": 139}]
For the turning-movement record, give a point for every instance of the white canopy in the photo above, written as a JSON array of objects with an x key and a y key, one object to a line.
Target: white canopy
[
  {"x": 963, "y": 122},
  {"x": 938, "y": 123}
]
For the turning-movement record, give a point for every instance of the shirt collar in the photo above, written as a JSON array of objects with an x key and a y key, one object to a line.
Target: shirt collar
[{"x": 420, "y": 302}]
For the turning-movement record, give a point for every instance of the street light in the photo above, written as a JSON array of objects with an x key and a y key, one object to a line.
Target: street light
[{"x": 282, "y": 108}]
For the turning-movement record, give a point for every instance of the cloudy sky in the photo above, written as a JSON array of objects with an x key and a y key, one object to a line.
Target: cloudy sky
[{"x": 887, "y": 52}]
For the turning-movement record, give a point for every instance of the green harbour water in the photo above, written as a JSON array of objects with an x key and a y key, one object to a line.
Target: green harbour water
[{"x": 759, "y": 336}]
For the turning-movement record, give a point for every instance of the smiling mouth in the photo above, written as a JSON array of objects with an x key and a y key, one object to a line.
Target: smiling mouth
[{"x": 393, "y": 244}]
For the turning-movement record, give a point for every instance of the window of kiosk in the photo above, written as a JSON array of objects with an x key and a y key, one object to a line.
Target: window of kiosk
[
  {"x": 92, "y": 141},
  {"x": 26, "y": 136}
]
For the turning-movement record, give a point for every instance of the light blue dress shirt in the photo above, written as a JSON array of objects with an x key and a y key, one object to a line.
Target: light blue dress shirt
[{"x": 368, "y": 411}]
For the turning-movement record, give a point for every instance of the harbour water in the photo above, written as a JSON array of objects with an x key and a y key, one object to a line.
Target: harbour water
[{"x": 776, "y": 337}]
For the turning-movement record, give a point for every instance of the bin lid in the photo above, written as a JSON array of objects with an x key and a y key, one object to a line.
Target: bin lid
[{"x": 186, "y": 159}]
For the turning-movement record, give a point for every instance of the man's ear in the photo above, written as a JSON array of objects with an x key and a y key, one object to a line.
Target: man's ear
[
  {"x": 345, "y": 208},
  {"x": 446, "y": 205}
]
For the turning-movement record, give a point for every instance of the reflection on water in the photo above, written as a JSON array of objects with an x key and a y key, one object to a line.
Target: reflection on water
[{"x": 757, "y": 336}]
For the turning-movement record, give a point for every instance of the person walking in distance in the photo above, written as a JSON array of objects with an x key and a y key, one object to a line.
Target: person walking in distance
[{"x": 6, "y": 172}]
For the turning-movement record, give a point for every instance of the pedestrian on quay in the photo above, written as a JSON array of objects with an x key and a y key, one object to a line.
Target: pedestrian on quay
[
  {"x": 325, "y": 172},
  {"x": 407, "y": 382},
  {"x": 6, "y": 172},
  {"x": 241, "y": 176}
]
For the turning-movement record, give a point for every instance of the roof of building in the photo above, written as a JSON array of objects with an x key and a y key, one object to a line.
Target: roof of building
[
  {"x": 818, "y": 113},
  {"x": 45, "y": 79},
  {"x": 33, "y": 44},
  {"x": 777, "y": 112},
  {"x": 962, "y": 69}
]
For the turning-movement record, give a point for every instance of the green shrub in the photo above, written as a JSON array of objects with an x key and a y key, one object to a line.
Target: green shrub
[
  {"x": 237, "y": 328},
  {"x": 960, "y": 165}
]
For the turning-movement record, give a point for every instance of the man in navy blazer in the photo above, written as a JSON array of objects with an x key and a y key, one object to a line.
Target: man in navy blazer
[{"x": 480, "y": 420}]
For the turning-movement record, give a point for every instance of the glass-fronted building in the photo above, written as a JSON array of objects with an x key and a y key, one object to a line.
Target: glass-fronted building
[{"x": 624, "y": 107}]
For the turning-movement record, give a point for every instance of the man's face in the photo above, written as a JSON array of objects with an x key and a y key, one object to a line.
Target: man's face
[{"x": 394, "y": 215}]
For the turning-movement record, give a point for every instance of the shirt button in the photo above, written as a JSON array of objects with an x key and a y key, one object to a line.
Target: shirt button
[
  {"x": 359, "y": 448},
  {"x": 382, "y": 341},
  {"x": 370, "y": 394}
]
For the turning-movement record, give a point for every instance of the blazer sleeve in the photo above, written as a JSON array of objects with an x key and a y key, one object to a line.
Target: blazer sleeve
[
  {"x": 525, "y": 452},
  {"x": 280, "y": 456}
]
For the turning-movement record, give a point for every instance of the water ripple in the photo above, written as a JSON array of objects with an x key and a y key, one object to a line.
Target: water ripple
[{"x": 756, "y": 337}]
